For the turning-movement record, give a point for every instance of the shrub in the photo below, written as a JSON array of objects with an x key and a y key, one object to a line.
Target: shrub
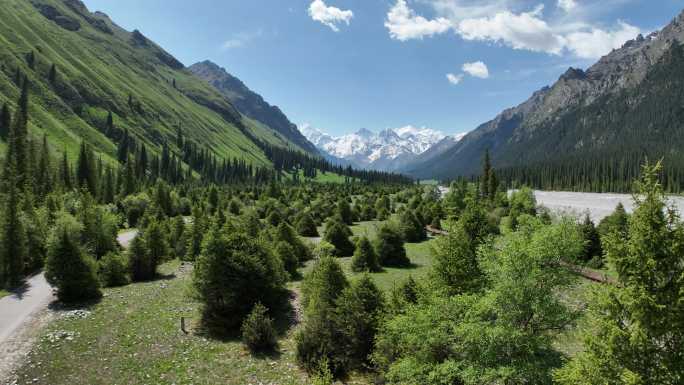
[
  {"x": 389, "y": 246},
  {"x": 258, "y": 333},
  {"x": 233, "y": 273},
  {"x": 113, "y": 270},
  {"x": 324, "y": 282},
  {"x": 68, "y": 267},
  {"x": 364, "y": 258}
]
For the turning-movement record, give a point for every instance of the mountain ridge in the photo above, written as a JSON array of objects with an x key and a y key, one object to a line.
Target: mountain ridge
[{"x": 531, "y": 133}]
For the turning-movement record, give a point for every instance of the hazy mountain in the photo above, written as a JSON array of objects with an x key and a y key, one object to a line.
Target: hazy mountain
[
  {"x": 390, "y": 149},
  {"x": 249, "y": 102},
  {"x": 626, "y": 106}
]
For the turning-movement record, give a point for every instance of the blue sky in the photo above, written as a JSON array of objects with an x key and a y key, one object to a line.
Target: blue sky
[{"x": 340, "y": 65}]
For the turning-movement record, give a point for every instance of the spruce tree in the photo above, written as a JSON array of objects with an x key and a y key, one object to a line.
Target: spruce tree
[
  {"x": 5, "y": 122},
  {"x": 85, "y": 169},
  {"x": 65, "y": 172},
  {"x": 44, "y": 173},
  {"x": 140, "y": 264},
  {"x": 13, "y": 243},
  {"x": 364, "y": 258},
  {"x": 68, "y": 267},
  {"x": 52, "y": 75},
  {"x": 389, "y": 246},
  {"x": 306, "y": 227},
  {"x": 485, "y": 176},
  {"x": 109, "y": 127},
  {"x": 337, "y": 234},
  {"x": 157, "y": 249},
  {"x": 636, "y": 329}
]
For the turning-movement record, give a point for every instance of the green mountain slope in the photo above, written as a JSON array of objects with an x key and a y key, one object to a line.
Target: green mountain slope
[
  {"x": 101, "y": 68},
  {"x": 592, "y": 129},
  {"x": 250, "y": 103}
]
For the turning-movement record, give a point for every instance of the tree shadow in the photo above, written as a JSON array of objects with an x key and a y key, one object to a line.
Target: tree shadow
[
  {"x": 60, "y": 306},
  {"x": 20, "y": 290}
]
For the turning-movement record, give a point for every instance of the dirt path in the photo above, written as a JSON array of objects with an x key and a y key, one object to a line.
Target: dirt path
[
  {"x": 22, "y": 314},
  {"x": 25, "y": 312}
]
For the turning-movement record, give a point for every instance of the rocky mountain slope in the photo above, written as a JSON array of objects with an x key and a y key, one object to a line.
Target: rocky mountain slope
[
  {"x": 250, "y": 103},
  {"x": 387, "y": 150},
  {"x": 624, "y": 107},
  {"x": 81, "y": 66}
]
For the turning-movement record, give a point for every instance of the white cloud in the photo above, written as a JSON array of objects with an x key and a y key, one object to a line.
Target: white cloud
[
  {"x": 330, "y": 16},
  {"x": 525, "y": 31},
  {"x": 477, "y": 69},
  {"x": 240, "y": 40},
  {"x": 567, "y": 5},
  {"x": 596, "y": 42},
  {"x": 503, "y": 22},
  {"x": 454, "y": 79},
  {"x": 403, "y": 23}
]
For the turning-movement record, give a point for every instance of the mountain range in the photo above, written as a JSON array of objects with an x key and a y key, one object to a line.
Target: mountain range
[
  {"x": 387, "y": 150},
  {"x": 82, "y": 67},
  {"x": 602, "y": 122}
]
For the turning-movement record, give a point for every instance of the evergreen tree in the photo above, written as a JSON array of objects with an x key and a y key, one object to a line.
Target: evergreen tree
[
  {"x": 44, "y": 174},
  {"x": 258, "y": 333},
  {"x": 344, "y": 210},
  {"x": 109, "y": 127},
  {"x": 337, "y": 234},
  {"x": 140, "y": 264},
  {"x": 13, "y": 243},
  {"x": 5, "y": 122},
  {"x": 31, "y": 60},
  {"x": 637, "y": 331},
  {"x": 68, "y": 267},
  {"x": 411, "y": 227},
  {"x": 157, "y": 249},
  {"x": 65, "y": 172},
  {"x": 485, "y": 176},
  {"x": 364, "y": 258},
  {"x": 124, "y": 146},
  {"x": 287, "y": 255},
  {"x": 306, "y": 227},
  {"x": 592, "y": 248},
  {"x": 85, "y": 169},
  {"x": 52, "y": 75},
  {"x": 389, "y": 246}
]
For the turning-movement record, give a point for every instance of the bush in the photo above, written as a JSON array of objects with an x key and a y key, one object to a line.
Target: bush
[
  {"x": 113, "y": 270},
  {"x": 389, "y": 246},
  {"x": 258, "y": 333},
  {"x": 287, "y": 234},
  {"x": 364, "y": 258},
  {"x": 233, "y": 273},
  {"x": 68, "y": 267}
]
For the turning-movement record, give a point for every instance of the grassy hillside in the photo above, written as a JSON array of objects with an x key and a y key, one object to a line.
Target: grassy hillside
[{"x": 100, "y": 68}]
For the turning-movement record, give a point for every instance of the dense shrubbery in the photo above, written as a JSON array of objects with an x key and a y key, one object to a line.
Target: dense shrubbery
[{"x": 258, "y": 333}]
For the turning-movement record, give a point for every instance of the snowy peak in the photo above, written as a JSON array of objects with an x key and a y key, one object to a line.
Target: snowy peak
[{"x": 385, "y": 150}]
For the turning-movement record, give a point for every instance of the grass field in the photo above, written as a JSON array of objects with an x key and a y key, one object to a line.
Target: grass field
[{"x": 4, "y": 293}]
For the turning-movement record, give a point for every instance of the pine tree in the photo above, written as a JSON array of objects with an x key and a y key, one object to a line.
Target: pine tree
[
  {"x": 123, "y": 148},
  {"x": 5, "y": 122},
  {"x": 364, "y": 258},
  {"x": 68, "y": 267},
  {"x": 31, "y": 59},
  {"x": 157, "y": 249},
  {"x": 65, "y": 172},
  {"x": 109, "y": 127},
  {"x": 140, "y": 264},
  {"x": 85, "y": 170},
  {"x": 52, "y": 75},
  {"x": 13, "y": 243},
  {"x": 637, "y": 331},
  {"x": 44, "y": 174},
  {"x": 486, "y": 172}
]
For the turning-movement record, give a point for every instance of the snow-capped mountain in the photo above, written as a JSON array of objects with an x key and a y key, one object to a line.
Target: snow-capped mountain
[{"x": 387, "y": 150}]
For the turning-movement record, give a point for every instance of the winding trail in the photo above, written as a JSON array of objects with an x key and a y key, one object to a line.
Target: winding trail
[{"x": 22, "y": 311}]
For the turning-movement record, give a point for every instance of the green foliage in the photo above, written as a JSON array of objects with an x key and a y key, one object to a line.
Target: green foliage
[
  {"x": 324, "y": 282},
  {"x": 358, "y": 315},
  {"x": 522, "y": 202},
  {"x": 288, "y": 257},
  {"x": 157, "y": 248},
  {"x": 592, "y": 247},
  {"x": 232, "y": 274},
  {"x": 68, "y": 267},
  {"x": 616, "y": 222},
  {"x": 337, "y": 234},
  {"x": 113, "y": 270},
  {"x": 306, "y": 227},
  {"x": 411, "y": 227},
  {"x": 389, "y": 246},
  {"x": 141, "y": 265},
  {"x": 636, "y": 332},
  {"x": 285, "y": 233},
  {"x": 13, "y": 243},
  {"x": 258, "y": 333},
  {"x": 364, "y": 258},
  {"x": 456, "y": 269}
]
